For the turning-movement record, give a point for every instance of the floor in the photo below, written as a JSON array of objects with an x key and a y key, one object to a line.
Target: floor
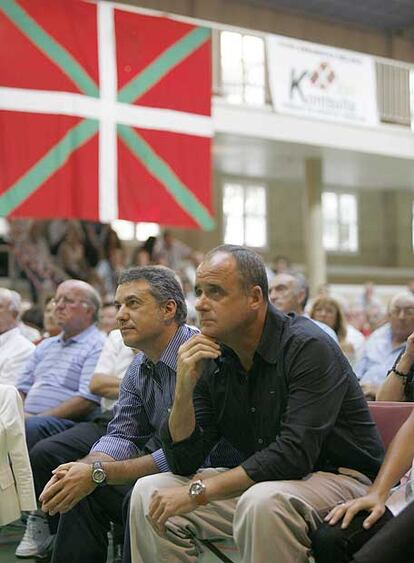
[{"x": 9, "y": 539}]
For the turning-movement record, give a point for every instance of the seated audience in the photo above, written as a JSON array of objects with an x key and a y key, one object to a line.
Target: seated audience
[
  {"x": 399, "y": 383},
  {"x": 15, "y": 349},
  {"x": 71, "y": 253},
  {"x": 385, "y": 344},
  {"x": 50, "y": 326},
  {"x": 363, "y": 530},
  {"x": 107, "y": 318},
  {"x": 329, "y": 311},
  {"x": 289, "y": 293},
  {"x": 171, "y": 252},
  {"x": 54, "y": 383},
  {"x": 151, "y": 316},
  {"x": 280, "y": 391},
  {"x": 75, "y": 442}
]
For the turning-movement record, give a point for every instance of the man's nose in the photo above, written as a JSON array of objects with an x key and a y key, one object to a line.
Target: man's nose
[
  {"x": 201, "y": 303},
  {"x": 121, "y": 313}
]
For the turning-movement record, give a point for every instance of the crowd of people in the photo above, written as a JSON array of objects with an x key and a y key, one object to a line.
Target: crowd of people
[{"x": 246, "y": 420}]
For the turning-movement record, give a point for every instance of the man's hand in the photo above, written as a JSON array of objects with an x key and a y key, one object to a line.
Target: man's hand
[
  {"x": 70, "y": 483},
  {"x": 190, "y": 360},
  {"x": 167, "y": 503},
  {"x": 371, "y": 502}
]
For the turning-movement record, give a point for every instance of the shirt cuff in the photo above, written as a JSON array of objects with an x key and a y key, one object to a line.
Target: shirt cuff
[{"x": 160, "y": 461}]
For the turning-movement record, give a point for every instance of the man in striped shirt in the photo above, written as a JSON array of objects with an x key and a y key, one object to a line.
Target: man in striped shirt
[
  {"x": 55, "y": 381},
  {"x": 151, "y": 316}
]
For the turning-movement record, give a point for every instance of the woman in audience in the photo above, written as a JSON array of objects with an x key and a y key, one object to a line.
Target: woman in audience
[{"x": 329, "y": 311}]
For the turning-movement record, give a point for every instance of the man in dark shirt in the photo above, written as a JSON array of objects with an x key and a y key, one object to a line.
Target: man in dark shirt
[{"x": 280, "y": 391}]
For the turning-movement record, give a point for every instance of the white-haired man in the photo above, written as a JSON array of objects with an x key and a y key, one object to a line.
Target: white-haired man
[
  {"x": 15, "y": 349},
  {"x": 385, "y": 344}
]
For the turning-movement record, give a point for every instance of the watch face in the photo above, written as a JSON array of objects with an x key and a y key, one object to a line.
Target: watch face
[
  {"x": 98, "y": 476},
  {"x": 197, "y": 488}
]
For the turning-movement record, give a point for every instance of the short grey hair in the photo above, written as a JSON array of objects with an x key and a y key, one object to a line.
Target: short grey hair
[
  {"x": 250, "y": 266},
  {"x": 94, "y": 299},
  {"x": 163, "y": 286},
  {"x": 14, "y": 299},
  {"x": 301, "y": 284}
]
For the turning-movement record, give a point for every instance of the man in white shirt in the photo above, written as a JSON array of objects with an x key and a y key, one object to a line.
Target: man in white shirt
[{"x": 15, "y": 349}]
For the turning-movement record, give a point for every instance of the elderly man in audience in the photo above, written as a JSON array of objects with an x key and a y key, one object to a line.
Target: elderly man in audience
[
  {"x": 151, "y": 316},
  {"x": 399, "y": 383},
  {"x": 54, "y": 383},
  {"x": 15, "y": 349},
  {"x": 282, "y": 393},
  {"x": 383, "y": 347},
  {"x": 289, "y": 293}
]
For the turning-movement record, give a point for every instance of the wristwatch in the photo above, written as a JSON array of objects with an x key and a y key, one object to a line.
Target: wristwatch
[
  {"x": 98, "y": 473},
  {"x": 197, "y": 492}
]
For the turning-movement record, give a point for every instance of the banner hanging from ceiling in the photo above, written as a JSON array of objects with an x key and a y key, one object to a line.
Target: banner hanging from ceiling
[
  {"x": 317, "y": 81},
  {"x": 105, "y": 113}
]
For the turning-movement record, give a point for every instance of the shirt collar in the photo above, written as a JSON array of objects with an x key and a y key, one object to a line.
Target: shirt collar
[
  {"x": 80, "y": 337},
  {"x": 169, "y": 355},
  {"x": 268, "y": 348},
  {"x": 9, "y": 334},
  {"x": 275, "y": 321}
]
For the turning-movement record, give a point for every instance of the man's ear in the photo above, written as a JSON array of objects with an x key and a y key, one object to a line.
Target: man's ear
[
  {"x": 256, "y": 297},
  {"x": 302, "y": 297},
  {"x": 170, "y": 308}
]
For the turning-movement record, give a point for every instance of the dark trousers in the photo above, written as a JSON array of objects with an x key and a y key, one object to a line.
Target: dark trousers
[
  {"x": 394, "y": 543},
  {"x": 41, "y": 427},
  {"x": 82, "y": 535},
  {"x": 69, "y": 445},
  {"x": 331, "y": 544}
]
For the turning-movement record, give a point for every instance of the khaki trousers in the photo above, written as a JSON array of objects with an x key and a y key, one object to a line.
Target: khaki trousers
[{"x": 269, "y": 522}]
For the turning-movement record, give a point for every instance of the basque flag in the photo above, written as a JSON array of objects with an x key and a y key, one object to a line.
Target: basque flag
[{"x": 105, "y": 113}]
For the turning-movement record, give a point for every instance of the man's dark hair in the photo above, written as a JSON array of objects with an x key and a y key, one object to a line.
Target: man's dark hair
[
  {"x": 250, "y": 266},
  {"x": 163, "y": 286}
]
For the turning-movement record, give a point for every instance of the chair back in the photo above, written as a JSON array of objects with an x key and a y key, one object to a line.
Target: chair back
[{"x": 389, "y": 416}]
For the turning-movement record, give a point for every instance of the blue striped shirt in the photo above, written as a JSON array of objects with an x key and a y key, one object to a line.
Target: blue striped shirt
[
  {"x": 61, "y": 369},
  {"x": 145, "y": 397}
]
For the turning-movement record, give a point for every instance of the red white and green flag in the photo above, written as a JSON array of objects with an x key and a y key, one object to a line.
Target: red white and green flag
[{"x": 105, "y": 113}]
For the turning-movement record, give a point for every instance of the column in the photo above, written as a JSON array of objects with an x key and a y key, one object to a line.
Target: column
[{"x": 315, "y": 253}]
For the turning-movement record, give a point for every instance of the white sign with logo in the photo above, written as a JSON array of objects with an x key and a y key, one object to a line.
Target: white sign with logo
[{"x": 322, "y": 82}]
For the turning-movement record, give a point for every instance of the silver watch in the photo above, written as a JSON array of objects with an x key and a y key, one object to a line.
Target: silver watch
[
  {"x": 98, "y": 473},
  {"x": 197, "y": 492}
]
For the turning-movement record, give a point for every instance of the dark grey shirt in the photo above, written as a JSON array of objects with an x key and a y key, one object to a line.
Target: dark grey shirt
[{"x": 299, "y": 408}]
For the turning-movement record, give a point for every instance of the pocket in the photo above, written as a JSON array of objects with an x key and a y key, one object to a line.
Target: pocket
[{"x": 6, "y": 477}]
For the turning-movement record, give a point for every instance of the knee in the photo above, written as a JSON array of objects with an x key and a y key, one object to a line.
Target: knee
[
  {"x": 328, "y": 542},
  {"x": 259, "y": 501},
  {"x": 142, "y": 492}
]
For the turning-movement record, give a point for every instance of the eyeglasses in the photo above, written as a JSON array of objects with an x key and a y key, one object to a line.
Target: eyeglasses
[
  {"x": 65, "y": 301},
  {"x": 408, "y": 311}
]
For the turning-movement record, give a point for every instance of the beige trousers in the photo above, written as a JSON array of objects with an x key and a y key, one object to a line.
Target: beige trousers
[{"x": 269, "y": 522}]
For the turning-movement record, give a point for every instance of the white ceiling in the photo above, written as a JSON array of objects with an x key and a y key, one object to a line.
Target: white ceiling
[{"x": 261, "y": 158}]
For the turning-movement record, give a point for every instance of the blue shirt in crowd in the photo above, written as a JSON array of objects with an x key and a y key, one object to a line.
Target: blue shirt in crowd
[
  {"x": 378, "y": 356},
  {"x": 61, "y": 369}
]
